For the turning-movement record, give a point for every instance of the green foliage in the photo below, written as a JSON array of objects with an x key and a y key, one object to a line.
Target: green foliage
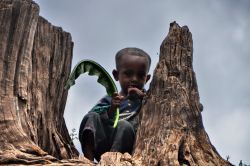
[{"x": 93, "y": 68}]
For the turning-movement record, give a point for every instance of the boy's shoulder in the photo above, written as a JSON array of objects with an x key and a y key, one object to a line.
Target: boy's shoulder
[{"x": 102, "y": 105}]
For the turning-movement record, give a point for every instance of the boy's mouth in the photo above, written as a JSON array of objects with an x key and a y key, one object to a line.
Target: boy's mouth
[{"x": 133, "y": 86}]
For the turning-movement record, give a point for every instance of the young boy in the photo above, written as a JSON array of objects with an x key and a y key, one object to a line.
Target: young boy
[{"x": 97, "y": 134}]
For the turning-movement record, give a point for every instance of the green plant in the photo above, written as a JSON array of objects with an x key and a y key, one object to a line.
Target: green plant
[{"x": 93, "y": 68}]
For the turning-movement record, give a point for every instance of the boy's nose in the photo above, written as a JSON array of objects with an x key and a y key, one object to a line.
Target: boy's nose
[{"x": 134, "y": 78}]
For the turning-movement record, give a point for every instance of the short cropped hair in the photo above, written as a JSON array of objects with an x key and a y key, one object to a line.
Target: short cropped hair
[{"x": 131, "y": 51}]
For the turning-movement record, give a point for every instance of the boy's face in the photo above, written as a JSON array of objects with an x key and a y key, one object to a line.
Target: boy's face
[{"x": 132, "y": 72}]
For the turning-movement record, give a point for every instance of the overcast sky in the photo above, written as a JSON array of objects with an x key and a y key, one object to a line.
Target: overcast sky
[{"x": 221, "y": 35}]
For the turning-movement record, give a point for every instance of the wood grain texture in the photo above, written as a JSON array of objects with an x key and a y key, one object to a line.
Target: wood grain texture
[
  {"x": 171, "y": 131},
  {"x": 35, "y": 61}
]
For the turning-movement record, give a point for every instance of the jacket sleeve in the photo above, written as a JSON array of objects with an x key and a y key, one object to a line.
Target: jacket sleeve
[{"x": 103, "y": 106}]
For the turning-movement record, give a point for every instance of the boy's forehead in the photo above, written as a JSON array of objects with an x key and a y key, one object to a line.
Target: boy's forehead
[
  {"x": 135, "y": 61},
  {"x": 133, "y": 58}
]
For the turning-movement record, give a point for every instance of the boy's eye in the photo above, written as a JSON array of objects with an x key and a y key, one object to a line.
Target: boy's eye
[
  {"x": 128, "y": 73},
  {"x": 142, "y": 75}
]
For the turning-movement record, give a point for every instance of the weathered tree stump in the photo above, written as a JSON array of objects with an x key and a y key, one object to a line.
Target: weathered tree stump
[
  {"x": 171, "y": 130},
  {"x": 35, "y": 62}
]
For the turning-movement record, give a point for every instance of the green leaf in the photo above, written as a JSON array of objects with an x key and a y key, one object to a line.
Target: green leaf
[
  {"x": 92, "y": 68},
  {"x": 96, "y": 69}
]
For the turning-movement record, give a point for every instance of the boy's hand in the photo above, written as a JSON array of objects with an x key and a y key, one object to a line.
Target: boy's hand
[
  {"x": 136, "y": 93},
  {"x": 115, "y": 102}
]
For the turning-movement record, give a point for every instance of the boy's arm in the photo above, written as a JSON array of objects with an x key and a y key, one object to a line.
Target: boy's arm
[
  {"x": 133, "y": 93},
  {"x": 103, "y": 105},
  {"x": 115, "y": 103},
  {"x": 108, "y": 105},
  {"x": 136, "y": 93}
]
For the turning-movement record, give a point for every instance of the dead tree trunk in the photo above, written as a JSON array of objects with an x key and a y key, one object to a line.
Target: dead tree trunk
[
  {"x": 171, "y": 130},
  {"x": 35, "y": 61}
]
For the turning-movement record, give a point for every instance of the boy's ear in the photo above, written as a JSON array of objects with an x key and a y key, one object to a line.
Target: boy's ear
[
  {"x": 115, "y": 74},
  {"x": 148, "y": 77}
]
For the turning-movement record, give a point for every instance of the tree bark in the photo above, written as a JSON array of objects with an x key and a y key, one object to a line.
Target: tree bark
[
  {"x": 35, "y": 61},
  {"x": 171, "y": 131}
]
